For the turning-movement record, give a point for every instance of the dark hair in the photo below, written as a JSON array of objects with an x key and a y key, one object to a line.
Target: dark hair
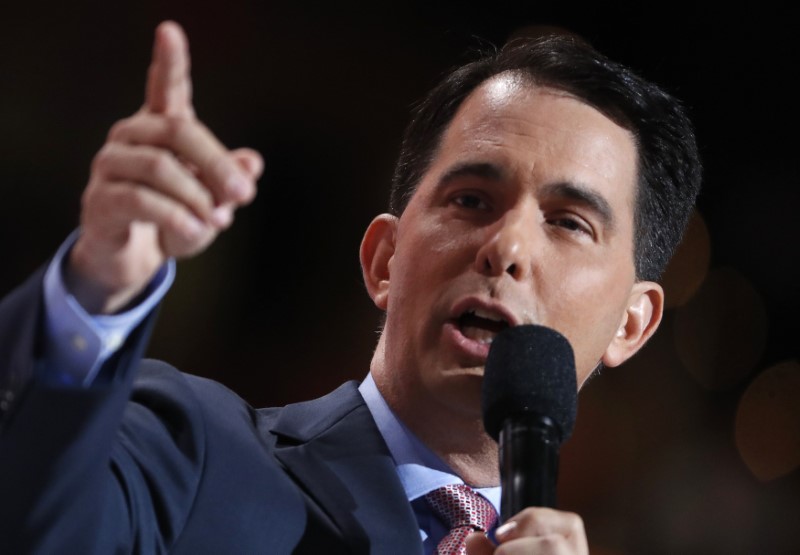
[{"x": 669, "y": 169}]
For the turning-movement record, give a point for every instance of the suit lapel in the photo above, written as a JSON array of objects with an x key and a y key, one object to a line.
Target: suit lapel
[{"x": 333, "y": 449}]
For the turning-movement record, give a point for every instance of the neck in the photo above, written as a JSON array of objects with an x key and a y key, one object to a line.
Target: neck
[
  {"x": 464, "y": 447},
  {"x": 455, "y": 435}
]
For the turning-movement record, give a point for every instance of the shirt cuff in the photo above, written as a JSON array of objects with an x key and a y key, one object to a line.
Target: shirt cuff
[{"x": 78, "y": 343}]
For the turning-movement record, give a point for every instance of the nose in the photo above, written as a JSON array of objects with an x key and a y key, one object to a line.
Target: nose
[{"x": 509, "y": 246}]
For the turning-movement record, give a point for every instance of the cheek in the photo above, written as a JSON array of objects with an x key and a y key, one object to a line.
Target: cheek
[
  {"x": 437, "y": 236},
  {"x": 414, "y": 268},
  {"x": 434, "y": 250},
  {"x": 575, "y": 291},
  {"x": 587, "y": 308}
]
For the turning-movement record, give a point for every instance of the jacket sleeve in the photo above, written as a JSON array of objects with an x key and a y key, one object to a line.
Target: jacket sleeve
[
  {"x": 20, "y": 346},
  {"x": 91, "y": 470}
]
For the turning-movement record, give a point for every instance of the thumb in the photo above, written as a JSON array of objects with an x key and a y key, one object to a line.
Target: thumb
[{"x": 479, "y": 544}]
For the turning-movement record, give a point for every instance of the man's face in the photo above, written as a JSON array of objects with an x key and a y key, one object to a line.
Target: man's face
[{"x": 524, "y": 216}]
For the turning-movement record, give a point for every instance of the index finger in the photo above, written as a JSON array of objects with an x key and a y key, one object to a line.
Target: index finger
[{"x": 169, "y": 85}]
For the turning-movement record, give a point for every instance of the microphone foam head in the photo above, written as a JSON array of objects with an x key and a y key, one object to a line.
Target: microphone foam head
[{"x": 530, "y": 370}]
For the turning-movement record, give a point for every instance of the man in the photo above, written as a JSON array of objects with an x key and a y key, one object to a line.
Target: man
[{"x": 543, "y": 185}]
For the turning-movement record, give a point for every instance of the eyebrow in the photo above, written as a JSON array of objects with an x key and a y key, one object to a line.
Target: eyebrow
[
  {"x": 484, "y": 170},
  {"x": 584, "y": 195}
]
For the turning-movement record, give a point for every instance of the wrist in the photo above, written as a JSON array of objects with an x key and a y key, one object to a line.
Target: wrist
[{"x": 98, "y": 288}]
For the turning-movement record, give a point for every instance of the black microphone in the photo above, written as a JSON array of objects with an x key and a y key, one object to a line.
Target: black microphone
[{"x": 530, "y": 398}]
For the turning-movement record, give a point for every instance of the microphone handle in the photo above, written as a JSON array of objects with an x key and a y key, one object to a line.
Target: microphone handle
[{"x": 528, "y": 463}]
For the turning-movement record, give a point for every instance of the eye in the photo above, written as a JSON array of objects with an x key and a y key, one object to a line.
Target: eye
[
  {"x": 471, "y": 201},
  {"x": 571, "y": 224}
]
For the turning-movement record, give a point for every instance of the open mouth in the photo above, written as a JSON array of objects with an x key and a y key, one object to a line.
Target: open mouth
[{"x": 481, "y": 326}]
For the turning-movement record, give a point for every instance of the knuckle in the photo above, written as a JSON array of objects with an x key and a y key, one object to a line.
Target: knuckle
[
  {"x": 553, "y": 543},
  {"x": 95, "y": 205},
  {"x": 175, "y": 221},
  {"x": 530, "y": 513},
  {"x": 119, "y": 130},
  {"x": 175, "y": 129},
  {"x": 159, "y": 165},
  {"x": 87, "y": 197},
  {"x": 516, "y": 547},
  {"x": 96, "y": 196},
  {"x": 102, "y": 159},
  {"x": 575, "y": 522},
  {"x": 548, "y": 544},
  {"x": 87, "y": 201},
  {"x": 132, "y": 197}
]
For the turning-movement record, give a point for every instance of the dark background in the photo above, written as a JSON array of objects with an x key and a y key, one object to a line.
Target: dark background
[{"x": 693, "y": 447}]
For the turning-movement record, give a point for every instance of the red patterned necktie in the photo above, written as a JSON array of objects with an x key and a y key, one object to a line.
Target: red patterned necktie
[{"x": 464, "y": 511}]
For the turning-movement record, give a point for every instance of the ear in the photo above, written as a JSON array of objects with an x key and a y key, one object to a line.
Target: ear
[
  {"x": 377, "y": 250},
  {"x": 638, "y": 324}
]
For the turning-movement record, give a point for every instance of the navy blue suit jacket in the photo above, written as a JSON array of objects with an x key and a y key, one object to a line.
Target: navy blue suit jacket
[{"x": 151, "y": 460}]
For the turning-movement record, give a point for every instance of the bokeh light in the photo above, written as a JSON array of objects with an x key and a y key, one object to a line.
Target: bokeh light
[
  {"x": 721, "y": 332},
  {"x": 768, "y": 422},
  {"x": 700, "y": 501}
]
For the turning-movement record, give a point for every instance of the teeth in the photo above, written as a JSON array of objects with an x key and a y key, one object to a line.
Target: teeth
[
  {"x": 486, "y": 315},
  {"x": 481, "y": 325},
  {"x": 481, "y": 336}
]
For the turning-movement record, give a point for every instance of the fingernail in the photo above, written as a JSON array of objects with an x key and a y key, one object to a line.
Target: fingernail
[
  {"x": 238, "y": 186},
  {"x": 505, "y": 529},
  {"x": 222, "y": 216}
]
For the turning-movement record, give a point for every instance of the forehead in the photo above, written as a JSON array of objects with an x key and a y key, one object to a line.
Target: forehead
[{"x": 540, "y": 133}]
